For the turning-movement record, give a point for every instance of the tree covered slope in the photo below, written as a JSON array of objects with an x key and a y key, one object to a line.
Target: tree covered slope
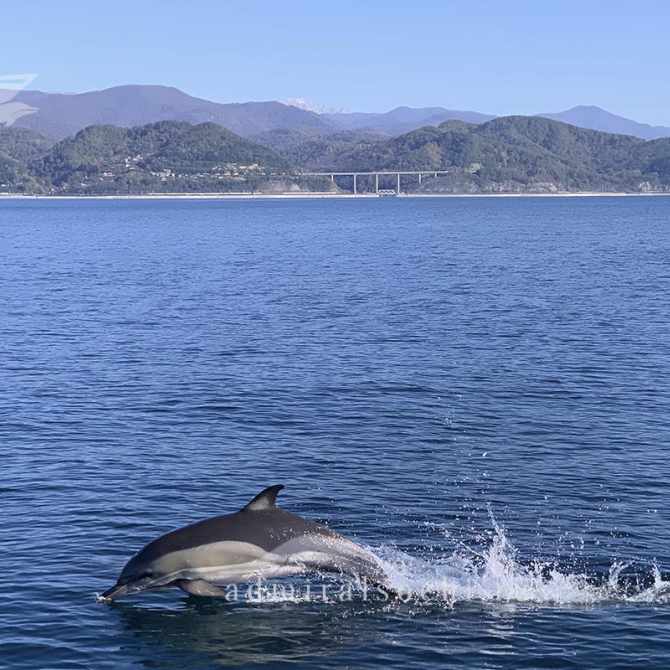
[{"x": 507, "y": 154}]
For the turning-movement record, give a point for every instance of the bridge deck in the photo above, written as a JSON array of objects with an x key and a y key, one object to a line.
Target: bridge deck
[{"x": 374, "y": 172}]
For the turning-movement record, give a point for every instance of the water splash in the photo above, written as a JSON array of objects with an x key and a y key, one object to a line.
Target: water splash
[
  {"x": 494, "y": 575},
  {"x": 498, "y": 575}
]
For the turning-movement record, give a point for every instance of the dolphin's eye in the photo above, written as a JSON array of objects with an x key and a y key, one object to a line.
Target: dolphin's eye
[{"x": 146, "y": 575}]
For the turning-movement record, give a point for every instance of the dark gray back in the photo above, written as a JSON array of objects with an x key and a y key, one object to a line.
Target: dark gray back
[{"x": 266, "y": 528}]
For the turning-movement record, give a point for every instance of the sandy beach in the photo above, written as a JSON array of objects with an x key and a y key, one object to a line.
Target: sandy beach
[{"x": 321, "y": 196}]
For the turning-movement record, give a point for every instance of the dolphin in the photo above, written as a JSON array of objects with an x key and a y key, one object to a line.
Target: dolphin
[{"x": 260, "y": 541}]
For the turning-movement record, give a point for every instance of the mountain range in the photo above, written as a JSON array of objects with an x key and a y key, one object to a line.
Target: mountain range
[
  {"x": 595, "y": 118},
  {"x": 60, "y": 115},
  {"x": 516, "y": 154},
  {"x": 403, "y": 119}
]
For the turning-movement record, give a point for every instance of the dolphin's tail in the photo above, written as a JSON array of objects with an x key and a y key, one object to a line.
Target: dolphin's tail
[{"x": 336, "y": 554}]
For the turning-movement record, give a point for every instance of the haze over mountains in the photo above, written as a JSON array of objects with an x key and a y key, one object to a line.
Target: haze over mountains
[
  {"x": 403, "y": 119},
  {"x": 61, "y": 115},
  {"x": 595, "y": 118}
]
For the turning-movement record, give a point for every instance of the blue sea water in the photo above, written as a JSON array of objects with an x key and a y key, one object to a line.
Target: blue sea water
[{"x": 477, "y": 389}]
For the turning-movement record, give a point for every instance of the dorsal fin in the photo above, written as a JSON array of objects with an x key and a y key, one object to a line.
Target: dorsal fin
[{"x": 265, "y": 499}]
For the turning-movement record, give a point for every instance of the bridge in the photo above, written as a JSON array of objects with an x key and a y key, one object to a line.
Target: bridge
[{"x": 421, "y": 174}]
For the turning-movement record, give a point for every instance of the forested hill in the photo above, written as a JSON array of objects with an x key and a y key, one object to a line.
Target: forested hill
[
  {"x": 18, "y": 149},
  {"x": 509, "y": 154},
  {"x": 518, "y": 153},
  {"x": 163, "y": 156}
]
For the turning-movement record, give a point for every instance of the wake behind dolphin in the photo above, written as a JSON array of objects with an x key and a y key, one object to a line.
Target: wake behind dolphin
[{"x": 260, "y": 541}]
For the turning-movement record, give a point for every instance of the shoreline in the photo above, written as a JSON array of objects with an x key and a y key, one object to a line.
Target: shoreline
[{"x": 321, "y": 196}]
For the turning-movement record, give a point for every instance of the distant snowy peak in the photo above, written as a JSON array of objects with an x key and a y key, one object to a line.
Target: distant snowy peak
[{"x": 311, "y": 106}]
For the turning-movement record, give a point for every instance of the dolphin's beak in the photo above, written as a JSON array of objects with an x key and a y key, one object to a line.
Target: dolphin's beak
[
  {"x": 117, "y": 591},
  {"x": 120, "y": 590}
]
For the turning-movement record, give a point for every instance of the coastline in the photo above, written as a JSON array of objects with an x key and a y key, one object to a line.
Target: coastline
[{"x": 322, "y": 196}]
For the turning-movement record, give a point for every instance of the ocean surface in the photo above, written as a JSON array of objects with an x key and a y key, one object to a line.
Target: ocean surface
[{"x": 477, "y": 389}]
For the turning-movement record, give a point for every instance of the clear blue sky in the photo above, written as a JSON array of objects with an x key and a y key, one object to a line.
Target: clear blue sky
[{"x": 500, "y": 57}]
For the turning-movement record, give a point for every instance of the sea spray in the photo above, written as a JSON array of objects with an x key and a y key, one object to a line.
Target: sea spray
[{"x": 498, "y": 575}]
